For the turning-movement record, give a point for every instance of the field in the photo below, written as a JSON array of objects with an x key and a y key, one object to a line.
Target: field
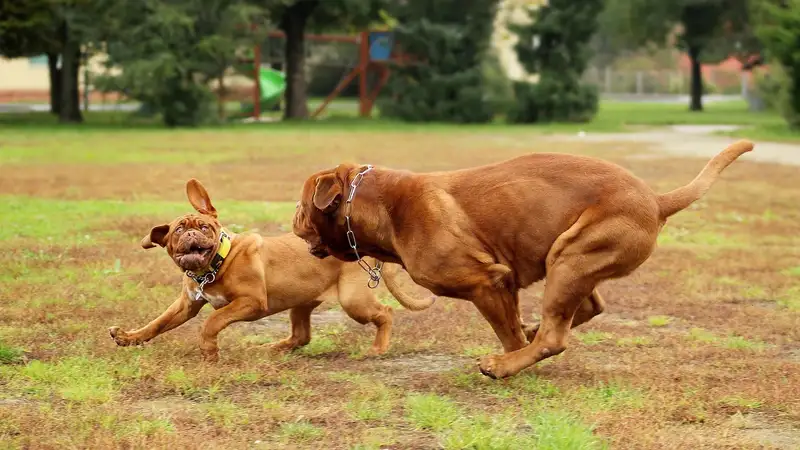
[{"x": 700, "y": 348}]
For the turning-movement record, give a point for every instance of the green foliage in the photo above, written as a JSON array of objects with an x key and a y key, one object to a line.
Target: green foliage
[
  {"x": 169, "y": 52},
  {"x": 23, "y": 28},
  {"x": 449, "y": 40},
  {"x": 779, "y": 30},
  {"x": 555, "y": 46}
]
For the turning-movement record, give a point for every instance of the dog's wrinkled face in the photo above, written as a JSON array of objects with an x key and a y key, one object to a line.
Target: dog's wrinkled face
[
  {"x": 191, "y": 240},
  {"x": 315, "y": 218}
]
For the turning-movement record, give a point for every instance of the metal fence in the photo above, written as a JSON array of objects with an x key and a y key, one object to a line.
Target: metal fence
[{"x": 666, "y": 82}]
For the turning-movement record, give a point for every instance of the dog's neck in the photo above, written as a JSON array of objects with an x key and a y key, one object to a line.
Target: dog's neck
[
  {"x": 370, "y": 216},
  {"x": 210, "y": 272}
]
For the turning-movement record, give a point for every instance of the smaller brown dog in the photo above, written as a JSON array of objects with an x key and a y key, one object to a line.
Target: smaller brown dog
[{"x": 248, "y": 277}]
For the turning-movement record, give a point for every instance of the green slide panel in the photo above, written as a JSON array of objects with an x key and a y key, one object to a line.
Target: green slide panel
[{"x": 273, "y": 83}]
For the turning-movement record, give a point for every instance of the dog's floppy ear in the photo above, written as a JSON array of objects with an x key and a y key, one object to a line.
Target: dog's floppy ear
[
  {"x": 198, "y": 197},
  {"x": 328, "y": 193},
  {"x": 158, "y": 235}
]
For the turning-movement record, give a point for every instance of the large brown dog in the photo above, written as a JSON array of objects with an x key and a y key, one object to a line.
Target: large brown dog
[
  {"x": 482, "y": 234},
  {"x": 247, "y": 277}
]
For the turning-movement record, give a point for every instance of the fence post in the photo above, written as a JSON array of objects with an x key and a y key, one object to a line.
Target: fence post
[
  {"x": 744, "y": 76},
  {"x": 639, "y": 83}
]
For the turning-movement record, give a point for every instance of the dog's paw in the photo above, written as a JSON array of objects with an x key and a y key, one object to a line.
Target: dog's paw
[
  {"x": 283, "y": 346},
  {"x": 211, "y": 358},
  {"x": 376, "y": 351},
  {"x": 120, "y": 337},
  {"x": 494, "y": 367}
]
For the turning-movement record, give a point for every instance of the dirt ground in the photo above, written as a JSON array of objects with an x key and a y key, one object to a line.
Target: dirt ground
[{"x": 698, "y": 349}]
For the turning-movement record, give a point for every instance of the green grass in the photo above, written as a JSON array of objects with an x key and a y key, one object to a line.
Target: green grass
[
  {"x": 301, "y": 432},
  {"x": 613, "y": 116},
  {"x": 731, "y": 342},
  {"x": 372, "y": 402},
  {"x": 792, "y": 271},
  {"x": 635, "y": 341},
  {"x": 608, "y": 396},
  {"x": 659, "y": 321},
  {"x": 593, "y": 337},
  {"x": 77, "y": 379},
  {"x": 78, "y": 221},
  {"x": 9, "y": 355},
  {"x": 431, "y": 412},
  {"x": 790, "y": 299}
]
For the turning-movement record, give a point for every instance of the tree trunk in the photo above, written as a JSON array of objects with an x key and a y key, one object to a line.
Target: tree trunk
[
  {"x": 293, "y": 24},
  {"x": 696, "y": 79},
  {"x": 70, "y": 111},
  {"x": 55, "y": 83}
]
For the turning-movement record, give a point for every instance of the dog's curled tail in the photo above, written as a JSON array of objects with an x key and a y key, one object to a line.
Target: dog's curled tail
[
  {"x": 414, "y": 304},
  {"x": 679, "y": 199}
]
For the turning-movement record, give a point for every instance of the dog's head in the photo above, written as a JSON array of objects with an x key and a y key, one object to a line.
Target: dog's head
[
  {"x": 191, "y": 240},
  {"x": 317, "y": 216}
]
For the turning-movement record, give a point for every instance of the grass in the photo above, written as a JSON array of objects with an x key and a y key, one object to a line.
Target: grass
[
  {"x": 593, "y": 337},
  {"x": 77, "y": 200},
  {"x": 613, "y": 116},
  {"x": 431, "y": 412},
  {"x": 9, "y": 355},
  {"x": 659, "y": 321}
]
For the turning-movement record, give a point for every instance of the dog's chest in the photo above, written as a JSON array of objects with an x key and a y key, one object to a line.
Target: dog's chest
[{"x": 216, "y": 301}]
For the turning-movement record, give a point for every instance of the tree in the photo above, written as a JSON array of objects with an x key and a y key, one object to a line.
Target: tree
[
  {"x": 61, "y": 29},
  {"x": 779, "y": 30},
  {"x": 448, "y": 39},
  {"x": 169, "y": 52},
  {"x": 706, "y": 29},
  {"x": 295, "y": 18},
  {"x": 555, "y": 46}
]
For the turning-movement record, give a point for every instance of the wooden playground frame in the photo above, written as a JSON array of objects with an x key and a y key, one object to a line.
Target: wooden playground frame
[{"x": 366, "y": 64}]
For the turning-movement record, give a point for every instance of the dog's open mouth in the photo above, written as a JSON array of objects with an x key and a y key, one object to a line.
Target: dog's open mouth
[{"x": 196, "y": 257}]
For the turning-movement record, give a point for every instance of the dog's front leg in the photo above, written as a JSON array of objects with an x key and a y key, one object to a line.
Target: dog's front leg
[
  {"x": 178, "y": 313},
  {"x": 241, "y": 309}
]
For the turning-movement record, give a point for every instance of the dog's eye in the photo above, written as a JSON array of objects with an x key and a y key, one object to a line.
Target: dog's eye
[
  {"x": 204, "y": 228},
  {"x": 179, "y": 230}
]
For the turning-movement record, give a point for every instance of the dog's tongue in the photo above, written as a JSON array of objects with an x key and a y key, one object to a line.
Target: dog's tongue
[{"x": 192, "y": 261}]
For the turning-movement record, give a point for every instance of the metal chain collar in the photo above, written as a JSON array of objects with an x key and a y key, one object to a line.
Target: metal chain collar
[{"x": 373, "y": 272}]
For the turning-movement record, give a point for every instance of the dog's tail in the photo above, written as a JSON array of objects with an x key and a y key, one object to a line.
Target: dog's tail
[
  {"x": 679, "y": 199},
  {"x": 414, "y": 304}
]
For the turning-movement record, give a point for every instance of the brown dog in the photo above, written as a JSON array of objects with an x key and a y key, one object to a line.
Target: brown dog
[
  {"x": 248, "y": 277},
  {"x": 482, "y": 234}
]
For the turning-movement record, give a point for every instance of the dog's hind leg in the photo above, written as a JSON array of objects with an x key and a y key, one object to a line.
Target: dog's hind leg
[
  {"x": 591, "y": 306},
  {"x": 359, "y": 302},
  {"x": 301, "y": 328},
  {"x": 586, "y": 254}
]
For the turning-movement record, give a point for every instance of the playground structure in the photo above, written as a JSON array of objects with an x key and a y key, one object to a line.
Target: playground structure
[{"x": 375, "y": 52}]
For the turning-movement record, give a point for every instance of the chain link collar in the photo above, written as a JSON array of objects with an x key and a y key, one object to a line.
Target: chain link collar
[{"x": 373, "y": 272}]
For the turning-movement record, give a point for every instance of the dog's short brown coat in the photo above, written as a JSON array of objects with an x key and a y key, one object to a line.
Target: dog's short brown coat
[
  {"x": 261, "y": 276},
  {"x": 482, "y": 234}
]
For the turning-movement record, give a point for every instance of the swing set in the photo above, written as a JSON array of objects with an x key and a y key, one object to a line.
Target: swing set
[{"x": 375, "y": 53}]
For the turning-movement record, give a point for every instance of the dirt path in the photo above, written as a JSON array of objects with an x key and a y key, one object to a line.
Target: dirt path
[{"x": 698, "y": 140}]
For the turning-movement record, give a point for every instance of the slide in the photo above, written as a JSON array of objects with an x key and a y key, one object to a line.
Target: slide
[{"x": 273, "y": 83}]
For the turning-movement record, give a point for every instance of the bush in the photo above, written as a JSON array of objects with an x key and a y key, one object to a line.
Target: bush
[
  {"x": 555, "y": 45},
  {"x": 779, "y": 33},
  {"x": 180, "y": 101},
  {"x": 772, "y": 86},
  {"x": 449, "y": 39},
  {"x": 553, "y": 100}
]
